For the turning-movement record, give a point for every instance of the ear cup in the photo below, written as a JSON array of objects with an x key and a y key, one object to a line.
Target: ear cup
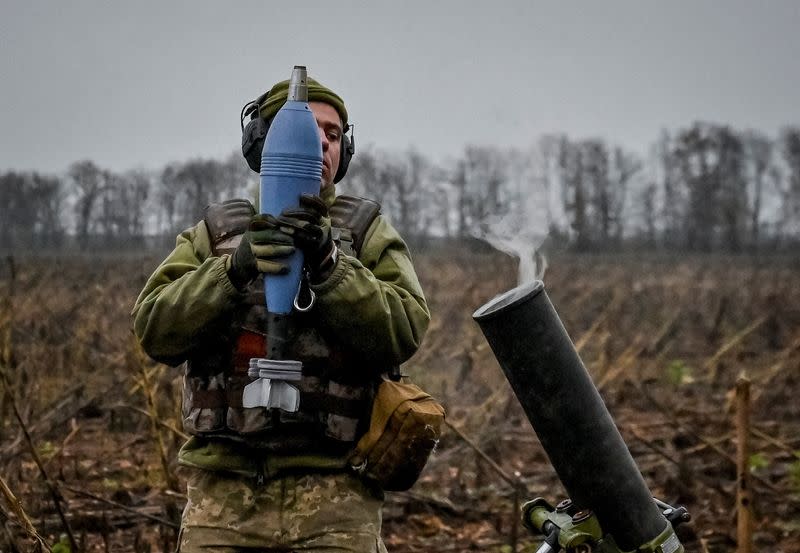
[
  {"x": 348, "y": 148},
  {"x": 253, "y": 142},
  {"x": 254, "y": 134}
]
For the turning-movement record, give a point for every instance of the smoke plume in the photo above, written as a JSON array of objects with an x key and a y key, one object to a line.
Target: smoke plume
[{"x": 520, "y": 233}]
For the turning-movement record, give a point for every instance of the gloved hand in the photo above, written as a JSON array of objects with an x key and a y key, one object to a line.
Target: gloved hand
[
  {"x": 263, "y": 249},
  {"x": 310, "y": 229}
]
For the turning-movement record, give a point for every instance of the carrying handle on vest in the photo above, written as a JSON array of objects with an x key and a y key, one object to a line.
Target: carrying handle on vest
[{"x": 312, "y": 299}]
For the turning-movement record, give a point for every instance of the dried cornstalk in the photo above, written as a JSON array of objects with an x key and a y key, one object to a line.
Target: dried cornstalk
[
  {"x": 6, "y": 324},
  {"x": 55, "y": 493},
  {"x": 772, "y": 440},
  {"x": 517, "y": 486},
  {"x": 667, "y": 331},
  {"x": 122, "y": 507},
  {"x": 699, "y": 437},
  {"x": 148, "y": 414},
  {"x": 744, "y": 508},
  {"x": 626, "y": 359},
  {"x": 25, "y": 521},
  {"x": 776, "y": 368},
  {"x": 7, "y": 314},
  {"x": 513, "y": 481},
  {"x": 11, "y": 541},
  {"x": 149, "y": 389},
  {"x": 615, "y": 302},
  {"x": 151, "y": 373},
  {"x": 480, "y": 416},
  {"x": 67, "y": 406},
  {"x": 713, "y": 363}
]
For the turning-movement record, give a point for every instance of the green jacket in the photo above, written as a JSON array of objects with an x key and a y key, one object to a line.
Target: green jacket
[{"x": 373, "y": 304}]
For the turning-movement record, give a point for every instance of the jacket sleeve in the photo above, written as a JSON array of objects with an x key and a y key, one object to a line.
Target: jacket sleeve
[
  {"x": 374, "y": 305},
  {"x": 186, "y": 297}
]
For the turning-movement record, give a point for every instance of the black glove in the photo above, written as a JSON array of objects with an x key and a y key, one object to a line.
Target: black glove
[
  {"x": 310, "y": 229},
  {"x": 263, "y": 249}
]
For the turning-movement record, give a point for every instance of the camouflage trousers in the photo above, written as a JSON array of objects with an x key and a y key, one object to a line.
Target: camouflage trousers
[{"x": 308, "y": 513}]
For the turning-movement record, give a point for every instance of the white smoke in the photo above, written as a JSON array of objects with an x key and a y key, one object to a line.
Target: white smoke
[{"x": 520, "y": 233}]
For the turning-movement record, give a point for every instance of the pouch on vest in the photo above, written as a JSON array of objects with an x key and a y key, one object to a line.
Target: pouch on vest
[{"x": 404, "y": 429}]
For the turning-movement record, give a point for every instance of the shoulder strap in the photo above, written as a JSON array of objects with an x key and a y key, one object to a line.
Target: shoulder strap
[
  {"x": 354, "y": 214},
  {"x": 226, "y": 223}
]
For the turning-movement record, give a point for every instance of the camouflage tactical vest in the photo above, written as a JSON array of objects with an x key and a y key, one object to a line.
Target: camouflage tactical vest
[{"x": 335, "y": 389}]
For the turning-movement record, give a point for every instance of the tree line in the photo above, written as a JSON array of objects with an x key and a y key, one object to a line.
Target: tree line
[{"x": 705, "y": 188}]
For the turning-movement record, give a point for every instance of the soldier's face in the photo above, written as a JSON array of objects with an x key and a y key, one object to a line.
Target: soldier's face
[{"x": 330, "y": 133}]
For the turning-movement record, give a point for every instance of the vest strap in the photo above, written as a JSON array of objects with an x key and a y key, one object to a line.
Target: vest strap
[
  {"x": 356, "y": 215},
  {"x": 209, "y": 399},
  {"x": 309, "y": 401}
]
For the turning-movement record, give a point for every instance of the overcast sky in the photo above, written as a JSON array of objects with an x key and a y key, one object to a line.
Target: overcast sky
[{"x": 132, "y": 84}]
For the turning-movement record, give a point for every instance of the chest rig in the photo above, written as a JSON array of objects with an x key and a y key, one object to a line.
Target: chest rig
[{"x": 335, "y": 388}]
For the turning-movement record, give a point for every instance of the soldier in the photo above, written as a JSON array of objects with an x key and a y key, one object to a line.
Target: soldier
[{"x": 266, "y": 479}]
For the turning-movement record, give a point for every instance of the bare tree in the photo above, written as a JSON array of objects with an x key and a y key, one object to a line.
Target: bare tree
[
  {"x": 732, "y": 183},
  {"x": 758, "y": 150},
  {"x": 89, "y": 181},
  {"x": 15, "y": 199},
  {"x": 646, "y": 200},
  {"x": 694, "y": 155},
  {"x": 110, "y": 213},
  {"x": 122, "y": 207},
  {"x": 459, "y": 182},
  {"x": 418, "y": 210},
  {"x": 237, "y": 180},
  {"x": 668, "y": 176},
  {"x": 364, "y": 176},
  {"x": 167, "y": 200},
  {"x": 407, "y": 186},
  {"x": 30, "y": 210},
  {"x": 201, "y": 182},
  {"x": 188, "y": 187},
  {"x": 790, "y": 150},
  {"x": 712, "y": 170},
  {"x": 596, "y": 184},
  {"x": 574, "y": 193},
  {"x": 140, "y": 183},
  {"x": 624, "y": 168},
  {"x": 481, "y": 178},
  {"x": 49, "y": 227}
]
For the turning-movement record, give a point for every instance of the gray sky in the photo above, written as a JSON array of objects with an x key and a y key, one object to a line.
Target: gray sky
[{"x": 131, "y": 84}]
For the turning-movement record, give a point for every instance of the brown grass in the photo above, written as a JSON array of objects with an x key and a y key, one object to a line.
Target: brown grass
[{"x": 665, "y": 339}]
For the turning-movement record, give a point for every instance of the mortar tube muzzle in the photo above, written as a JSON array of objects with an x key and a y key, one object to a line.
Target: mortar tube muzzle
[{"x": 568, "y": 415}]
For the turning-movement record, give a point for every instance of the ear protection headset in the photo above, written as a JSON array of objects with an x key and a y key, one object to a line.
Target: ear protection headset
[{"x": 254, "y": 134}]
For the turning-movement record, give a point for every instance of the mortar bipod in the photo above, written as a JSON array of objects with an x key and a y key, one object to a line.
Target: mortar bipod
[{"x": 578, "y": 530}]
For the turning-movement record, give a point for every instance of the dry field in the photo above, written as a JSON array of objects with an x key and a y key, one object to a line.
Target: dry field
[{"x": 663, "y": 338}]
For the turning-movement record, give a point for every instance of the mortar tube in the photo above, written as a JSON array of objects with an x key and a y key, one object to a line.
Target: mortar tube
[{"x": 568, "y": 414}]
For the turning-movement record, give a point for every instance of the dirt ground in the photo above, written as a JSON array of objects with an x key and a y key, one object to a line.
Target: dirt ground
[{"x": 664, "y": 339}]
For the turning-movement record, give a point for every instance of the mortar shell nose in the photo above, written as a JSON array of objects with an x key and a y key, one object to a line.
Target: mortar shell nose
[{"x": 298, "y": 85}]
